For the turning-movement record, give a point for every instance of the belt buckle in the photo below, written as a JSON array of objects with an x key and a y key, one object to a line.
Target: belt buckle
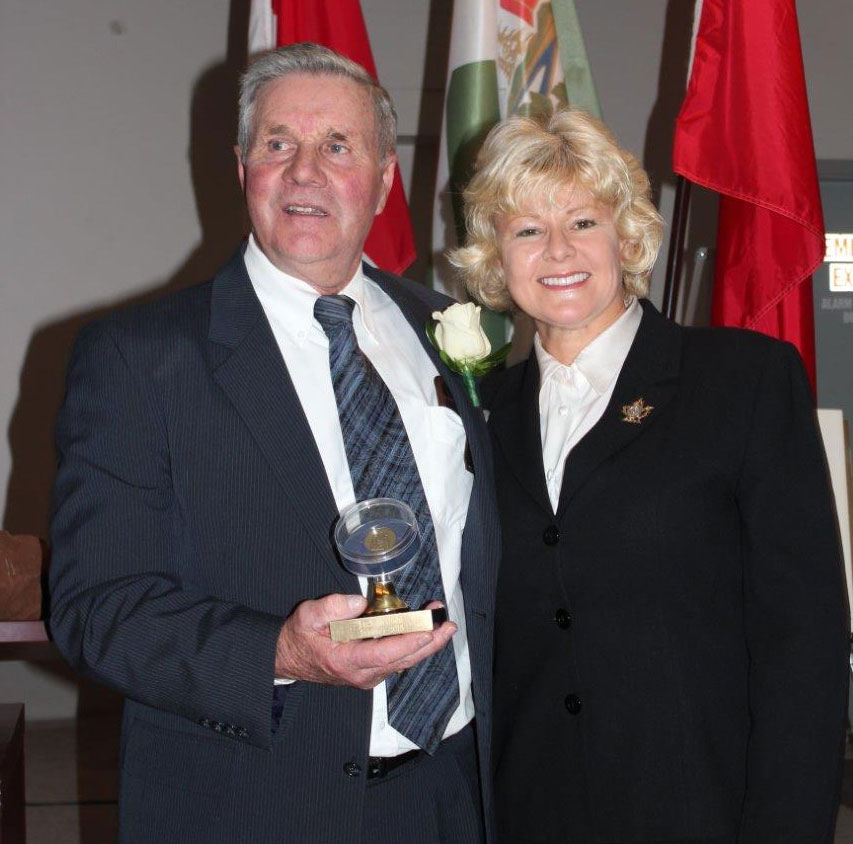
[
  {"x": 377, "y": 766},
  {"x": 380, "y": 766}
]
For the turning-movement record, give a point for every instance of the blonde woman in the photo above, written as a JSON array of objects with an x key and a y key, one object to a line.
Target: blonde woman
[{"x": 671, "y": 622}]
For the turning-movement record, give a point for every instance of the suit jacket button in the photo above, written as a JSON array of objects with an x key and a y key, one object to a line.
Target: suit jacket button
[
  {"x": 573, "y": 704},
  {"x": 551, "y": 535},
  {"x": 563, "y": 619},
  {"x": 242, "y": 732},
  {"x": 352, "y": 769},
  {"x": 229, "y": 730},
  {"x": 205, "y": 722},
  {"x": 218, "y": 726}
]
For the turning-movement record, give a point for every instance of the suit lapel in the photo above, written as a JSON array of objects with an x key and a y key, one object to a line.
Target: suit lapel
[
  {"x": 650, "y": 374},
  {"x": 249, "y": 368},
  {"x": 515, "y": 423},
  {"x": 416, "y": 313},
  {"x": 479, "y": 550}
]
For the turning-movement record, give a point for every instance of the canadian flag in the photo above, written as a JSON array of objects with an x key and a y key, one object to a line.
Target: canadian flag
[{"x": 744, "y": 131}]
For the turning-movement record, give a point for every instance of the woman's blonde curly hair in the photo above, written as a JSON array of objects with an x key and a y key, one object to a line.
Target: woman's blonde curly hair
[{"x": 525, "y": 160}]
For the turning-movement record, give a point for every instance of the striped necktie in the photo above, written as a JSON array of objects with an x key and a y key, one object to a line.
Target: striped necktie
[{"x": 422, "y": 698}]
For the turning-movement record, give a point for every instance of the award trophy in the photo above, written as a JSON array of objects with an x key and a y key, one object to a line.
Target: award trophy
[{"x": 376, "y": 539}]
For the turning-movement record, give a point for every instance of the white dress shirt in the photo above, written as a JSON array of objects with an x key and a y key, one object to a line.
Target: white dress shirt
[
  {"x": 436, "y": 434},
  {"x": 573, "y": 398}
]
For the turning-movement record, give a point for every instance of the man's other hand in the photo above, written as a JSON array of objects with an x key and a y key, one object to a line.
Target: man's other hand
[{"x": 306, "y": 651}]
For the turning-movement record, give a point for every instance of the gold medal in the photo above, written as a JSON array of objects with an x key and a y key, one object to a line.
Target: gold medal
[{"x": 380, "y": 539}]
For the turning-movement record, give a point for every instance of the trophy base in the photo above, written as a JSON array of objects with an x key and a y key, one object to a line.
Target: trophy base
[{"x": 392, "y": 624}]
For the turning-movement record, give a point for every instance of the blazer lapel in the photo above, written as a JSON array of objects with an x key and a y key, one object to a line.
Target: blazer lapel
[
  {"x": 514, "y": 421},
  {"x": 416, "y": 313},
  {"x": 249, "y": 368},
  {"x": 480, "y": 549},
  {"x": 650, "y": 376}
]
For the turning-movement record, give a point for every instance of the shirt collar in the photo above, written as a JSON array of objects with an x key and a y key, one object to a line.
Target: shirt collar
[
  {"x": 602, "y": 360},
  {"x": 293, "y": 299}
]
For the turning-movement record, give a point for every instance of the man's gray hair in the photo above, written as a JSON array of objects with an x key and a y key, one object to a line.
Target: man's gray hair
[{"x": 318, "y": 61}]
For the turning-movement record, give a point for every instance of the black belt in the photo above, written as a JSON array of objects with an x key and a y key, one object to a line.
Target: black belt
[{"x": 379, "y": 766}]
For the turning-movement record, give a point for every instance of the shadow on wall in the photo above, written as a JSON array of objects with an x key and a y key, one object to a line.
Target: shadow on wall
[
  {"x": 672, "y": 82},
  {"x": 696, "y": 276},
  {"x": 223, "y": 223},
  {"x": 428, "y": 140}
]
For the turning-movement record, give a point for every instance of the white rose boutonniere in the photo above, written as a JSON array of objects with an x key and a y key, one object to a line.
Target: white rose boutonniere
[{"x": 463, "y": 345}]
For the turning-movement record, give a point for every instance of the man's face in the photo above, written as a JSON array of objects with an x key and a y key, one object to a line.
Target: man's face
[{"x": 312, "y": 179}]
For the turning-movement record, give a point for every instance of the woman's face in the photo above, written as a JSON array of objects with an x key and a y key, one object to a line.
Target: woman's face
[{"x": 563, "y": 267}]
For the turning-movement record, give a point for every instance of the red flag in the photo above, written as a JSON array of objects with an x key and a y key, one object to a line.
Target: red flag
[
  {"x": 339, "y": 24},
  {"x": 744, "y": 131}
]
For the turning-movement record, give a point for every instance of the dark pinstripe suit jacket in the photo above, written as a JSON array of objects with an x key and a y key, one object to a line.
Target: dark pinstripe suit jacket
[{"x": 192, "y": 513}]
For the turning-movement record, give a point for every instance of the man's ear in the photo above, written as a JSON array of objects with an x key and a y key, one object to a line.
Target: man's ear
[
  {"x": 241, "y": 169},
  {"x": 387, "y": 180}
]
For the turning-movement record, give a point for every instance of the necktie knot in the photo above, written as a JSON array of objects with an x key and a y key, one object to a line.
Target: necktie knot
[{"x": 333, "y": 311}]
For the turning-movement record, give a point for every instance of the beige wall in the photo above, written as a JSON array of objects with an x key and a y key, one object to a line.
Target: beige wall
[{"x": 117, "y": 179}]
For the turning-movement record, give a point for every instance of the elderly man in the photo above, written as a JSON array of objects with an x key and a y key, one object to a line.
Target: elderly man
[{"x": 207, "y": 444}]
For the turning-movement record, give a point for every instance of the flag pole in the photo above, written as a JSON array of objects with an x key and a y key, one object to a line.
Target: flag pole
[{"x": 676, "y": 247}]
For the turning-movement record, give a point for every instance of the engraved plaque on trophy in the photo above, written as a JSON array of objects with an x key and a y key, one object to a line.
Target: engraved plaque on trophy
[{"x": 377, "y": 539}]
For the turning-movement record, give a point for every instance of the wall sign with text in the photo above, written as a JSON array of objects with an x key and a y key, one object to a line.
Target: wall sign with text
[{"x": 832, "y": 285}]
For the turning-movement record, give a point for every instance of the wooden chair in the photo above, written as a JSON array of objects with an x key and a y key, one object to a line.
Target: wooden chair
[{"x": 22, "y": 566}]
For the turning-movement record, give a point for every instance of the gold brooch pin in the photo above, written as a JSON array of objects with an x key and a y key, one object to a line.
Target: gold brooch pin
[{"x": 636, "y": 412}]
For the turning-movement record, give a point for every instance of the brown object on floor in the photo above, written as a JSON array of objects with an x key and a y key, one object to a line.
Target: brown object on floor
[{"x": 21, "y": 566}]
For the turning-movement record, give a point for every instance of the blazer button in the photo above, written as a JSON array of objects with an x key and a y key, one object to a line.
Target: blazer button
[
  {"x": 352, "y": 769},
  {"x": 551, "y": 535},
  {"x": 563, "y": 619},
  {"x": 573, "y": 704}
]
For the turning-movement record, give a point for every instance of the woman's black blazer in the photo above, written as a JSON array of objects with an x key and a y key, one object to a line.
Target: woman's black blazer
[{"x": 671, "y": 645}]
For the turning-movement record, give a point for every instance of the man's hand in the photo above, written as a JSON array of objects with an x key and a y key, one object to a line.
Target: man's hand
[{"x": 305, "y": 650}]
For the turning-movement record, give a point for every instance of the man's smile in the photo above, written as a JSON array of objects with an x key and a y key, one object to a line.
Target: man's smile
[{"x": 305, "y": 211}]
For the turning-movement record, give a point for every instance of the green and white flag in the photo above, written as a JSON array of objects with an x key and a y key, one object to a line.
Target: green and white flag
[{"x": 506, "y": 57}]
